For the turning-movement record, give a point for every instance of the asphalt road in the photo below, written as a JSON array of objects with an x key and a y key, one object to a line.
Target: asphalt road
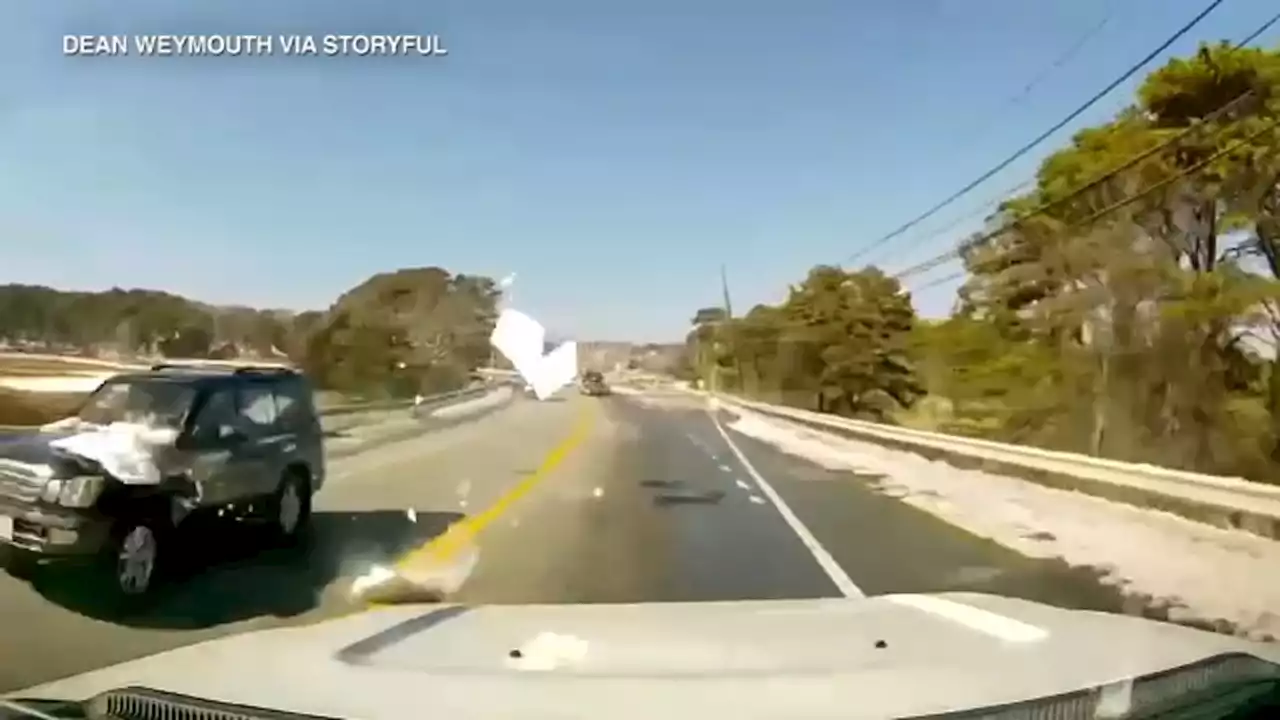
[{"x": 648, "y": 502}]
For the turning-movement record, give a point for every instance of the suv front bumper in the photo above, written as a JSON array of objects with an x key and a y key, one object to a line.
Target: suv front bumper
[{"x": 51, "y": 531}]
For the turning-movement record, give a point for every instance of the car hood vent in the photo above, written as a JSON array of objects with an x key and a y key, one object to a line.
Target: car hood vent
[{"x": 147, "y": 704}]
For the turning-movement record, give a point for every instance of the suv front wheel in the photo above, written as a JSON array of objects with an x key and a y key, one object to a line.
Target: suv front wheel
[{"x": 133, "y": 564}]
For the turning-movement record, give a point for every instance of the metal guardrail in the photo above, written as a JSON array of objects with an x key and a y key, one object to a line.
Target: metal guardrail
[
  {"x": 427, "y": 401},
  {"x": 1222, "y": 501}
]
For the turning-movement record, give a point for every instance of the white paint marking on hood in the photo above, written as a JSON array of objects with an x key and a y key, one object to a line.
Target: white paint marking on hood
[{"x": 550, "y": 651}]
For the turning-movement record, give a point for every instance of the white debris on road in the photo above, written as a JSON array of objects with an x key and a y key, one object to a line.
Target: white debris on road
[{"x": 1200, "y": 572}]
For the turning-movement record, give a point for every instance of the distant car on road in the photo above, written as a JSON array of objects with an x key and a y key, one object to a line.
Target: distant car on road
[
  {"x": 183, "y": 442},
  {"x": 593, "y": 384}
]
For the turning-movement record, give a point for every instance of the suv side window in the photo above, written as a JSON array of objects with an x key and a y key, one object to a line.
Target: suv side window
[
  {"x": 294, "y": 407},
  {"x": 216, "y": 419},
  {"x": 258, "y": 413}
]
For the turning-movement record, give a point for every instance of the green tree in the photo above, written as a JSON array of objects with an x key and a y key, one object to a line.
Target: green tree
[
  {"x": 853, "y": 330},
  {"x": 1116, "y": 319},
  {"x": 419, "y": 328},
  {"x": 839, "y": 343}
]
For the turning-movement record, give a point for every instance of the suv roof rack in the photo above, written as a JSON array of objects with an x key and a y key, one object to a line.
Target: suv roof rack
[
  {"x": 265, "y": 370},
  {"x": 160, "y": 367},
  {"x": 232, "y": 368}
]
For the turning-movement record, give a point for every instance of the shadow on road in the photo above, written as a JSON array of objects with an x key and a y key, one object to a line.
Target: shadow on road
[{"x": 227, "y": 578}]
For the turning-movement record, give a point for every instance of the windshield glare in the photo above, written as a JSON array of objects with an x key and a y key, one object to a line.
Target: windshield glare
[{"x": 150, "y": 402}]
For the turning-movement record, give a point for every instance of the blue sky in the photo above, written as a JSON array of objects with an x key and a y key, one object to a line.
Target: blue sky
[{"x": 613, "y": 154}]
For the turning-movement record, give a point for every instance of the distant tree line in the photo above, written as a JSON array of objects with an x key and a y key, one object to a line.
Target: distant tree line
[
  {"x": 136, "y": 323},
  {"x": 398, "y": 333},
  {"x": 1126, "y": 306}
]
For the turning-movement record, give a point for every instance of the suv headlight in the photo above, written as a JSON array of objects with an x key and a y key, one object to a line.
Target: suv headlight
[{"x": 77, "y": 492}]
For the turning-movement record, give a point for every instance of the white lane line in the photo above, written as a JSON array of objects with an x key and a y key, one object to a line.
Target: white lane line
[
  {"x": 838, "y": 576},
  {"x": 977, "y": 619},
  {"x": 706, "y": 449},
  {"x": 697, "y": 441}
]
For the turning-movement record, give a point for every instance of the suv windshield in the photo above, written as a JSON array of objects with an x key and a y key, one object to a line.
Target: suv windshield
[{"x": 158, "y": 403}]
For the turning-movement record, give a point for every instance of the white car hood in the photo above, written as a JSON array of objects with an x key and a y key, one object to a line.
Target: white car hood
[{"x": 888, "y": 656}]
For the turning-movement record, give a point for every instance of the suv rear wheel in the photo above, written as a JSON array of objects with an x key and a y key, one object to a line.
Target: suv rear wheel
[{"x": 291, "y": 507}]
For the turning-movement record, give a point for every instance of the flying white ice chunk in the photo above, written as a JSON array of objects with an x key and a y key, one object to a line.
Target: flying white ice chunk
[{"x": 522, "y": 340}]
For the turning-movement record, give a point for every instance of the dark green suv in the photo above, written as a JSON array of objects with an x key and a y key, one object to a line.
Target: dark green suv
[
  {"x": 593, "y": 383},
  {"x": 147, "y": 455}
]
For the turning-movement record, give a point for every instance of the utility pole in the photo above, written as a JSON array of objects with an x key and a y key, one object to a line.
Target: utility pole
[
  {"x": 726, "y": 335},
  {"x": 724, "y": 288}
]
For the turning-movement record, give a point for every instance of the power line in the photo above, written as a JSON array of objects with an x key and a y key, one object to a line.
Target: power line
[
  {"x": 1263, "y": 28},
  {"x": 1194, "y": 169},
  {"x": 1134, "y": 198},
  {"x": 1044, "y": 135},
  {"x": 1090, "y": 185},
  {"x": 956, "y": 253},
  {"x": 986, "y": 207},
  {"x": 1189, "y": 171},
  {"x": 1057, "y": 64},
  {"x": 1061, "y": 61},
  {"x": 941, "y": 281}
]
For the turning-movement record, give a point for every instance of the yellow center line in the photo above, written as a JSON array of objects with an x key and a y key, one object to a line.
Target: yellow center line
[
  {"x": 464, "y": 532},
  {"x": 434, "y": 554}
]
